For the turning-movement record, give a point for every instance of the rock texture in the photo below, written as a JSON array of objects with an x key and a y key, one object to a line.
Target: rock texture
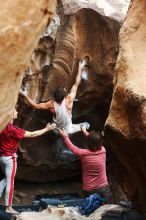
[
  {"x": 55, "y": 62},
  {"x": 115, "y": 9},
  {"x": 126, "y": 124},
  {"x": 21, "y": 23},
  {"x": 72, "y": 213}
]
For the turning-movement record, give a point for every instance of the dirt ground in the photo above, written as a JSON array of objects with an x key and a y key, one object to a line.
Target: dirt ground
[{"x": 25, "y": 192}]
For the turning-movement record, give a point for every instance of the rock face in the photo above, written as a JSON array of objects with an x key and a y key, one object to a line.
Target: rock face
[
  {"x": 126, "y": 124},
  {"x": 72, "y": 213},
  {"x": 21, "y": 23},
  {"x": 115, "y": 9},
  {"x": 55, "y": 62}
]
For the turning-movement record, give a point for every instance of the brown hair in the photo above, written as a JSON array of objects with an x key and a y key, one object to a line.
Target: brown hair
[
  {"x": 59, "y": 94},
  {"x": 94, "y": 141}
]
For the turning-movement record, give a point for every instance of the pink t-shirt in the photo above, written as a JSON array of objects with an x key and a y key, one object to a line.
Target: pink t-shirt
[{"x": 93, "y": 166}]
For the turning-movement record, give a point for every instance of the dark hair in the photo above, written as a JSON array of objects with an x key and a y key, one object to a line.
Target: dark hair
[
  {"x": 94, "y": 141},
  {"x": 59, "y": 94}
]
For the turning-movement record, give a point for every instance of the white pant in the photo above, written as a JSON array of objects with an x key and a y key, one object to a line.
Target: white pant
[
  {"x": 9, "y": 165},
  {"x": 73, "y": 128}
]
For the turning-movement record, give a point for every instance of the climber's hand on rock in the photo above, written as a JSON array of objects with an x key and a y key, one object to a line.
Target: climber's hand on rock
[{"x": 23, "y": 92}]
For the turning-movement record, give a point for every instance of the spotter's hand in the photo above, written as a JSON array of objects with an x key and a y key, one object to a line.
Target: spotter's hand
[
  {"x": 51, "y": 126},
  {"x": 63, "y": 132}
]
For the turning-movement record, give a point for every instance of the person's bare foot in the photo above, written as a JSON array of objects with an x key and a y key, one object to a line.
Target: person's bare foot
[{"x": 11, "y": 210}]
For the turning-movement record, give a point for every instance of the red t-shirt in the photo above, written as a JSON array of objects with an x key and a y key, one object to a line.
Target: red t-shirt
[
  {"x": 93, "y": 166},
  {"x": 9, "y": 139}
]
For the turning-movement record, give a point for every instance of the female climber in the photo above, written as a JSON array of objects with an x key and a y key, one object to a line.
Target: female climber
[
  {"x": 93, "y": 163},
  {"x": 9, "y": 139}
]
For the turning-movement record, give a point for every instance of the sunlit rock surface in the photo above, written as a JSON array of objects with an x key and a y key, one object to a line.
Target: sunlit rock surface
[
  {"x": 73, "y": 213},
  {"x": 21, "y": 23},
  {"x": 54, "y": 62},
  {"x": 126, "y": 124},
  {"x": 115, "y": 9}
]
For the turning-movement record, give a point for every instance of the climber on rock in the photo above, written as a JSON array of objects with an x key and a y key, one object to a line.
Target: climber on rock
[
  {"x": 9, "y": 141},
  {"x": 62, "y": 104}
]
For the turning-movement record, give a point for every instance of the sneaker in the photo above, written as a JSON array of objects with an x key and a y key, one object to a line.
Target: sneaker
[{"x": 85, "y": 125}]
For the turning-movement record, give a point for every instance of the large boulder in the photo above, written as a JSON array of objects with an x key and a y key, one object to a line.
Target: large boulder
[
  {"x": 67, "y": 40},
  {"x": 126, "y": 125},
  {"x": 21, "y": 23}
]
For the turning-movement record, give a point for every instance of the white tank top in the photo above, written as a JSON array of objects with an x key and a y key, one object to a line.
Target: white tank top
[{"x": 62, "y": 119}]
